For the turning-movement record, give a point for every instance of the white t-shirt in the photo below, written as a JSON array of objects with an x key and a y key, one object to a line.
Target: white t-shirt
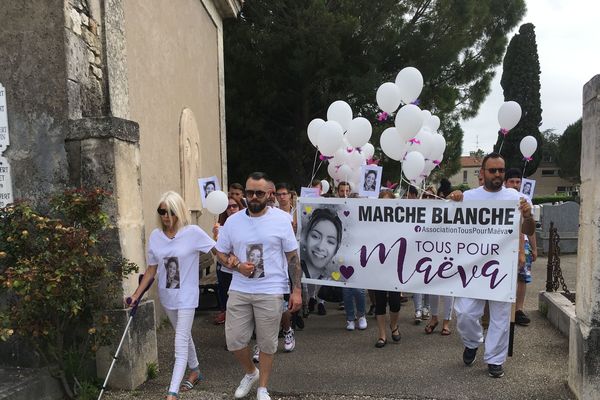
[
  {"x": 263, "y": 240},
  {"x": 481, "y": 194},
  {"x": 178, "y": 288}
]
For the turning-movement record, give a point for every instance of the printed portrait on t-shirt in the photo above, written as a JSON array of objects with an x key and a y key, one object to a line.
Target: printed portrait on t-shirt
[
  {"x": 254, "y": 255},
  {"x": 172, "y": 267}
]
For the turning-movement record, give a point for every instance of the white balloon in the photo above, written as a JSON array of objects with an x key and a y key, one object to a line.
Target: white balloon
[
  {"x": 341, "y": 156},
  {"x": 340, "y": 112},
  {"x": 509, "y": 115},
  {"x": 324, "y": 186},
  {"x": 438, "y": 147},
  {"x": 356, "y": 159},
  {"x": 392, "y": 144},
  {"x": 388, "y": 97},
  {"x": 359, "y": 132},
  {"x": 410, "y": 84},
  {"x": 332, "y": 170},
  {"x": 409, "y": 121},
  {"x": 413, "y": 164},
  {"x": 313, "y": 130},
  {"x": 216, "y": 202},
  {"x": 433, "y": 122},
  {"x": 528, "y": 146},
  {"x": 331, "y": 137},
  {"x": 422, "y": 143},
  {"x": 344, "y": 172},
  {"x": 368, "y": 151},
  {"x": 426, "y": 115}
]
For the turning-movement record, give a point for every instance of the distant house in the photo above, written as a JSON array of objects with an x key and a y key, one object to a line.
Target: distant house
[
  {"x": 546, "y": 176},
  {"x": 469, "y": 172}
]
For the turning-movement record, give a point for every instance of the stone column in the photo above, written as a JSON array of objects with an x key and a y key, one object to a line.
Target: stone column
[
  {"x": 104, "y": 152},
  {"x": 584, "y": 338}
]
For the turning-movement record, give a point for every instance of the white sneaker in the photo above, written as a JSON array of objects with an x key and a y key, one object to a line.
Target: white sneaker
[
  {"x": 418, "y": 316},
  {"x": 246, "y": 384},
  {"x": 289, "y": 342},
  {"x": 262, "y": 394},
  {"x": 349, "y": 325},
  {"x": 362, "y": 323},
  {"x": 255, "y": 354},
  {"x": 426, "y": 313}
]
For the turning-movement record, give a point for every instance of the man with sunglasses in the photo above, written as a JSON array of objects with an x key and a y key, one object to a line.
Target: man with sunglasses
[
  {"x": 255, "y": 302},
  {"x": 469, "y": 311}
]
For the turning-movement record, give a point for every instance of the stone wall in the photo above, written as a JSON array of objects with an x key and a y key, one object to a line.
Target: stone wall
[{"x": 584, "y": 336}]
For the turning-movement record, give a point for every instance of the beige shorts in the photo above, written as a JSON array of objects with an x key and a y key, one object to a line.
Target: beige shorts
[{"x": 248, "y": 312}]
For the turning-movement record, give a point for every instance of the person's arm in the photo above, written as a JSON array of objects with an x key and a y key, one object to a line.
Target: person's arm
[
  {"x": 528, "y": 223},
  {"x": 295, "y": 274},
  {"x": 533, "y": 245},
  {"x": 148, "y": 276}
]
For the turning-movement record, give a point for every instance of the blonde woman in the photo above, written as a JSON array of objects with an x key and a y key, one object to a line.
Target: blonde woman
[{"x": 173, "y": 251}]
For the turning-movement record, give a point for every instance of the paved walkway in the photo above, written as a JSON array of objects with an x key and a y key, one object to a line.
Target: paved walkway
[{"x": 331, "y": 363}]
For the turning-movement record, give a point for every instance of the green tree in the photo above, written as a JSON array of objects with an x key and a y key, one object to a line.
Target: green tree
[
  {"x": 287, "y": 60},
  {"x": 521, "y": 83},
  {"x": 569, "y": 158},
  {"x": 550, "y": 146}
]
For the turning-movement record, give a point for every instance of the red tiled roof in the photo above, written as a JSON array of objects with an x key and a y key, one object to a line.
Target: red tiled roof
[{"x": 470, "y": 161}]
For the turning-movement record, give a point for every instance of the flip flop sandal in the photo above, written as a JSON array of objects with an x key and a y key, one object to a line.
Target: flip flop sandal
[
  {"x": 396, "y": 336},
  {"x": 380, "y": 343},
  {"x": 445, "y": 332},
  {"x": 172, "y": 394},
  {"x": 430, "y": 328},
  {"x": 186, "y": 385}
]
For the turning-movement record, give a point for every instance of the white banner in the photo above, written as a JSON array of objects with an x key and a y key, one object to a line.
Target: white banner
[{"x": 467, "y": 249}]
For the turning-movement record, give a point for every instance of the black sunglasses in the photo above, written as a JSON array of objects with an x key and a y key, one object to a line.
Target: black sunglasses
[
  {"x": 258, "y": 193},
  {"x": 494, "y": 170},
  {"x": 163, "y": 211}
]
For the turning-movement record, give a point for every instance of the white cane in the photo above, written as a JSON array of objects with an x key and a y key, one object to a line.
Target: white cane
[{"x": 131, "y": 315}]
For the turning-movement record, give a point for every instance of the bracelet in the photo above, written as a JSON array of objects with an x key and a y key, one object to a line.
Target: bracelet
[{"x": 237, "y": 266}]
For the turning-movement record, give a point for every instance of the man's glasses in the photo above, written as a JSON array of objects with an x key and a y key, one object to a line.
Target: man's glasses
[
  {"x": 495, "y": 170},
  {"x": 258, "y": 193},
  {"x": 163, "y": 211},
  {"x": 281, "y": 194}
]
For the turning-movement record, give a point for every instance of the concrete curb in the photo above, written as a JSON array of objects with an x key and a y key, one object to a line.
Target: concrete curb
[{"x": 557, "y": 309}]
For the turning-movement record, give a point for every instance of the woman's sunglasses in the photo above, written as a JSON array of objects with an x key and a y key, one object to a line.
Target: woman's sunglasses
[{"x": 163, "y": 211}]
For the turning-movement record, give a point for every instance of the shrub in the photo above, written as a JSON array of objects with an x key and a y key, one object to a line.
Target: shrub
[
  {"x": 554, "y": 198},
  {"x": 56, "y": 279}
]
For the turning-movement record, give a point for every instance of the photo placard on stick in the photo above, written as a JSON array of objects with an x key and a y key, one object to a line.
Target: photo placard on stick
[
  {"x": 310, "y": 192},
  {"x": 370, "y": 180},
  {"x": 528, "y": 187},
  {"x": 208, "y": 185}
]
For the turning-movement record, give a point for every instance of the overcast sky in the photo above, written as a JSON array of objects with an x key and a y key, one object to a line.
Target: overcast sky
[{"x": 568, "y": 40}]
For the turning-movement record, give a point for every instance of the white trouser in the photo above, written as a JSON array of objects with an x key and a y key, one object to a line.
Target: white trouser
[
  {"x": 468, "y": 314},
  {"x": 434, "y": 300},
  {"x": 185, "y": 351}
]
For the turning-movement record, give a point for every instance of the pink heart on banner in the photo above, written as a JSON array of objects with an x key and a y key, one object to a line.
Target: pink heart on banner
[{"x": 346, "y": 271}]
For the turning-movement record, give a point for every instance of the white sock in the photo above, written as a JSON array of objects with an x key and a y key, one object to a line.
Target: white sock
[{"x": 262, "y": 389}]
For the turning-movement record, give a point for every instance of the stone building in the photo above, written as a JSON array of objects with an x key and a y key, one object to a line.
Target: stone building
[{"x": 126, "y": 95}]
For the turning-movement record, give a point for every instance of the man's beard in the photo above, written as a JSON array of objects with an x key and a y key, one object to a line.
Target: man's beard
[
  {"x": 493, "y": 186},
  {"x": 256, "y": 206}
]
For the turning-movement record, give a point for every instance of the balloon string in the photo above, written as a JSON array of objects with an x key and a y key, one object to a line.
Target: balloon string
[
  {"x": 500, "y": 149},
  {"x": 313, "y": 173},
  {"x": 524, "y": 168}
]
